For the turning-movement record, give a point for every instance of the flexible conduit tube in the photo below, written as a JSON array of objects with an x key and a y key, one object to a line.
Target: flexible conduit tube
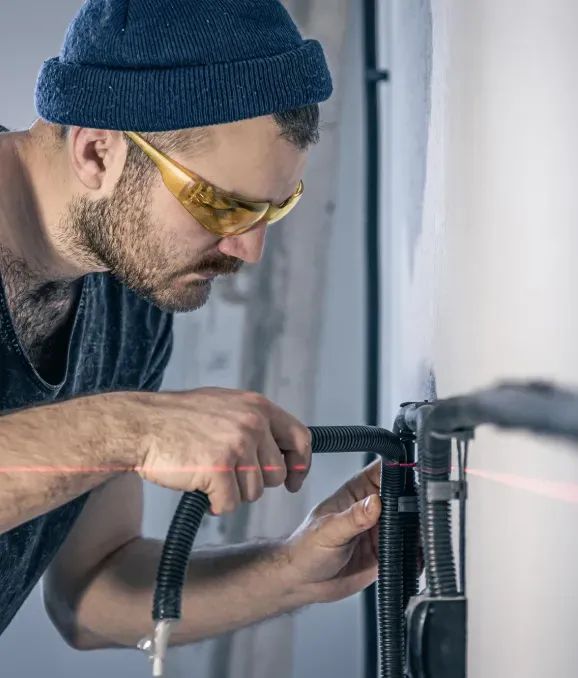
[
  {"x": 410, "y": 537},
  {"x": 434, "y": 465},
  {"x": 188, "y": 516},
  {"x": 390, "y": 607}
]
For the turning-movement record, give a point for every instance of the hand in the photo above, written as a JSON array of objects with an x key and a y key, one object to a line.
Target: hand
[
  {"x": 334, "y": 553},
  {"x": 229, "y": 444}
]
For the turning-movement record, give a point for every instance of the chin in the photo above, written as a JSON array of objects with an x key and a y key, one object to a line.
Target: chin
[{"x": 178, "y": 298}]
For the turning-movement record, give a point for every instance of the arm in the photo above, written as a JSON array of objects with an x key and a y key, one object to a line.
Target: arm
[
  {"x": 99, "y": 590},
  {"x": 52, "y": 454}
]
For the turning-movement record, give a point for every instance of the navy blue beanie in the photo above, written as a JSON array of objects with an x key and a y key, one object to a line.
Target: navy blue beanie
[{"x": 159, "y": 65}]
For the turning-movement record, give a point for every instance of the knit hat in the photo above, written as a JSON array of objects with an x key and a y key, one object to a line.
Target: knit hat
[{"x": 160, "y": 65}]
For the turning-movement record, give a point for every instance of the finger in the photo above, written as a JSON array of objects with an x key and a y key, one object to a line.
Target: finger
[
  {"x": 271, "y": 460},
  {"x": 374, "y": 538},
  {"x": 364, "y": 483},
  {"x": 298, "y": 463},
  {"x": 338, "y": 529},
  {"x": 250, "y": 478},
  {"x": 294, "y": 440},
  {"x": 373, "y": 472},
  {"x": 222, "y": 488}
]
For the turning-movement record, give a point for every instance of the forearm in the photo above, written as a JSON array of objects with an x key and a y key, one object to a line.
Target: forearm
[
  {"x": 54, "y": 453},
  {"x": 227, "y": 588}
]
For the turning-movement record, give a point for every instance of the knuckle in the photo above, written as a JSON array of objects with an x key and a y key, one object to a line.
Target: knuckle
[
  {"x": 251, "y": 420},
  {"x": 233, "y": 447},
  {"x": 356, "y": 518},
  {"x": 317, "y": 524},
  {"x": 223, "y": 460},
  {"x": 255, "y": 398}
]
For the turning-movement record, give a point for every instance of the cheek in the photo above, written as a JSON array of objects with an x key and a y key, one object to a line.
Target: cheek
[{"x": 175, "y": 225}]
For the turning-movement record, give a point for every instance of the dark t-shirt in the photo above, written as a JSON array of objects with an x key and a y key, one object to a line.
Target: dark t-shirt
[{"x": 118, "y": 342}]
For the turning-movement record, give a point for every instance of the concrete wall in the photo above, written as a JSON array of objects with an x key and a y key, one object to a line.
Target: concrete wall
[
  {"x": 207, "y": 351},
  {"x": 484, "y": 258}
]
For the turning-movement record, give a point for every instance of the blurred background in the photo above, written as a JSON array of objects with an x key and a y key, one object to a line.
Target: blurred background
[
  {"x": 292, "y": 327},
  {"x": 434, "y": 253}
]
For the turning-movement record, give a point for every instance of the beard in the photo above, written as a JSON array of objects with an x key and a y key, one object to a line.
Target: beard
[{"x": 118, "y": 233}]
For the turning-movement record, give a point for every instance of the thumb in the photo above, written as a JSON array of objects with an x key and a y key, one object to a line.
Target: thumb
[{"x": 338, "y": 529}]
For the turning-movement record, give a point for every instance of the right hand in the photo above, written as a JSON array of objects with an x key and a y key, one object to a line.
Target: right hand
[{"x": 228, "y": 444}]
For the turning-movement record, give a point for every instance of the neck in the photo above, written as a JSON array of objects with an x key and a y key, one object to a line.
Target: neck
[{"x": 30, "y": 211}]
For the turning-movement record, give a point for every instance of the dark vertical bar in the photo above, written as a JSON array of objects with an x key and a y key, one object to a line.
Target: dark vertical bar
[{"x": 372, "y": 242}]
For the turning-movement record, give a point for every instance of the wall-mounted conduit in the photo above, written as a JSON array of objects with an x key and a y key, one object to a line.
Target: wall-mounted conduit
[{"x": 373, "y": 78}]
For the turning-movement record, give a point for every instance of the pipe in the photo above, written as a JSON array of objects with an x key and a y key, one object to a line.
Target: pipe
[
  {"x": 392, "y": 560},
  {"x": 435, "y": 466},
  {"x": 373, "y": 78}
]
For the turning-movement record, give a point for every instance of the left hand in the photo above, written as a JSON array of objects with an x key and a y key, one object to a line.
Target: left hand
[{"x": 333, "y": 554}]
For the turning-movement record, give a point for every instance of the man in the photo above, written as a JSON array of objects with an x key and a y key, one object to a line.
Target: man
[{"x": 104, "y": 233}]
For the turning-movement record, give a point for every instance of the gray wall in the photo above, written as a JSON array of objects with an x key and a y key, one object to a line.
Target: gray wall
[{"x": 327, "y": 637}]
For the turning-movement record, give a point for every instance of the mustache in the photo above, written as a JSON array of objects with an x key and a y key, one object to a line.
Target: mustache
[{"x": 218, "y": 264}]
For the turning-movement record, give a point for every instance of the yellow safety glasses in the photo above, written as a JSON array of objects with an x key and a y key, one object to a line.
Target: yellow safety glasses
[{"x": 218, "y": 212}]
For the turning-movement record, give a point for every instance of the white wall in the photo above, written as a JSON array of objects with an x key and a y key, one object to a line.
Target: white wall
[
  {"x": 485, "y": 289},
  {"x": 207, "y": 352}
]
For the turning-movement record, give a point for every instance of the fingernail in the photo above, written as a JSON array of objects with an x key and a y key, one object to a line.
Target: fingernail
[{"x": 369, "y": 504}]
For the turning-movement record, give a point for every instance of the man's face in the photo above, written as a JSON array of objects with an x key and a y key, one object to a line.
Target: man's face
[{"x": 147, "y": 239}]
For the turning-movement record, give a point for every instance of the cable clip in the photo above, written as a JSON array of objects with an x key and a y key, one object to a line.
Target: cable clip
[
  {"x": 446, "y": 490},
  {"x": 407, "y": 504},
  {"x": 460, "y": 434}
]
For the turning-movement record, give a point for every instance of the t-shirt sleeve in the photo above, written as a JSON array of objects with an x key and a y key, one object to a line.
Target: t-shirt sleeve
[{"x": 161, "y": 355}]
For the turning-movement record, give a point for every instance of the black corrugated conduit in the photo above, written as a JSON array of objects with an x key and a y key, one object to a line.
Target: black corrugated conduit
[
  {"x": 394, "y": 568},
  {"x": 536, "y": 407}
]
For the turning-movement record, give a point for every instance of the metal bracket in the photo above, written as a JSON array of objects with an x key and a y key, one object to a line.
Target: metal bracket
[{"x": 377, "y": 75}]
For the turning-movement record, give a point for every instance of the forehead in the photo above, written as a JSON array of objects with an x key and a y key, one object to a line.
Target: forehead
[{"x": 251, "y": 159}]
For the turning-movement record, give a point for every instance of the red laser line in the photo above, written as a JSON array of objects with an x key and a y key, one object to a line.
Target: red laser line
[
  {"x": 546, "y": 488},
  {"x": 567, "y": 492},
  {"x": 172, "y": 469}
]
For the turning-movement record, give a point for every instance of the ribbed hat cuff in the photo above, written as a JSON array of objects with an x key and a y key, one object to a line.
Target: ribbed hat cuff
[{"x": 163, "y": 99}]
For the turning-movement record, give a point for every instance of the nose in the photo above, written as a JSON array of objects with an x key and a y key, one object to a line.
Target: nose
[{"x": 247, "y": 246}]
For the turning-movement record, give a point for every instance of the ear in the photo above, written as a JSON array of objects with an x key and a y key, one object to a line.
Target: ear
[{"x": 97, "y": 156}]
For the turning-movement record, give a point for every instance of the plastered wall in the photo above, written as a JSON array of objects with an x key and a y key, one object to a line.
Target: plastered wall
[{"x": 483, "y": 277}]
